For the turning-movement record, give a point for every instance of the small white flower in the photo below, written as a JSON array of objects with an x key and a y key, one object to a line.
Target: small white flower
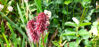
[
  {"x": 26, "y": 1},
  {"x": 48, "y": 13},
  {"x": 1, "y": 7},
  {"x": 94, "y": 31},
  {"x": 96, "y": 3},
  {"x": 75, "y": 20},
  {"x": 10, "y": 8}
]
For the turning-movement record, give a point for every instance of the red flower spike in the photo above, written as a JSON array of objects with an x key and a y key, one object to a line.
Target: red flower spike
[
  {"x": 32, "y": 34},
  {"x": 35, "y": 28}
]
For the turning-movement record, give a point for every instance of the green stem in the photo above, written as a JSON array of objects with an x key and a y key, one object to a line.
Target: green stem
[
  {"x": 82, "y": 17},
  {"x": 77, "y": 29},
  {"x": 74, "y": 9},
  {"x": 6, "y": 40},
  {"x": 63, "y": 18},
  {"x": 67, "y": 10}
]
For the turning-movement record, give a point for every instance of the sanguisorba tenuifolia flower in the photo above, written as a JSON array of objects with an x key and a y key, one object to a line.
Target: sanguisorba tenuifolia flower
[
  {"x": 37, "y": 27},
  {"x": 41, "y": 23},
  {"x": 32, "y": 34}
]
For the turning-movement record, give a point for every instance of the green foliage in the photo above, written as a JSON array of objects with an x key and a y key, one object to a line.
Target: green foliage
[
  {"x": 70, "y": 33},
  {"x": 3, "y": 30},
  {"x": 71, "y": 24}
]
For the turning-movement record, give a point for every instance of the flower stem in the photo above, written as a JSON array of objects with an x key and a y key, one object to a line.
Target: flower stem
[{"x": 6, "y": 40}]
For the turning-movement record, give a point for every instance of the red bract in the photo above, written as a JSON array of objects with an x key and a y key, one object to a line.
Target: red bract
[{"x": 37, "y": 27}]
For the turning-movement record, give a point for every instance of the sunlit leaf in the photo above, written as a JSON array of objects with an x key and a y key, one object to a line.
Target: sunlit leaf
[
  {"x": 67, "y": 2},
  {"x": 84, "y": 34},
  {"x": 85, "y": 24},
  {"x": 55, "y": 43},
  {"x": 70, "y": 24}
]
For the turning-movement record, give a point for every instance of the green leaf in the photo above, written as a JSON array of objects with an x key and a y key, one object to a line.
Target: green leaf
[
  {"x": 70, "y": 24},
  {"x": 13, "y": 24},
  {"x": 72, "y": 44},
  {"x": 6, "y": 40},
  {"x": 78, "y": 40},
  {"x": 19, "y": 40},
  {"x": 85, "y": 24},
  {"x": 4, "y": 2},
  {"x": 69, "y": 33},
  {"x": 46, "y": 37},
  {"x": 10, "y": 28},
  {"x": 2, "y": 27},
  {"x": 13, "y": 35},
  {"x": 58, "y": 1},
  {"x": 55, "y": 43},
  {"x": 85, "y": 3},
  {"x": 76, "y": 1},
  {"x": 3, "y": 30},
  {"x": 65, "y": 12},
  {"x": 84, "y": 34},
  {"x": 20, "y": 13},
  {"x": 32, "y": 44},
  {"x": 67, "y": 2},
  {"x": 2, "y": 44},
  {"x": 23, "y": 42},
  {"x": 38, "y": 4}
]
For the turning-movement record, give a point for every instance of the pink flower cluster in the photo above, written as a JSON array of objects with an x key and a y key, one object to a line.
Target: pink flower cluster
[{"x": 37, "y": 27}]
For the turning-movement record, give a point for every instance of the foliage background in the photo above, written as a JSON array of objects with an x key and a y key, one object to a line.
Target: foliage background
[{"x": 63, "y": 31}]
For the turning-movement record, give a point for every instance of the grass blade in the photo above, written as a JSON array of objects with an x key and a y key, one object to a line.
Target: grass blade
[
  {"x": 14, "y": 25},
  {"x": 23, "y": 43},
  {"x": 20, "y": 13},
  {"x": 3, "y": 29},
  {"x": 38, "y": 4},
  {"x": 10, "y": 28}
]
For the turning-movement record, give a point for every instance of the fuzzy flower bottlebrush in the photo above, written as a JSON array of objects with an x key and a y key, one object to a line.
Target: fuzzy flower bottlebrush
[
  {"x": 37, "y": 27},
  {"x": 41, "y": 23},
  {"x": 32, "y": 34}
]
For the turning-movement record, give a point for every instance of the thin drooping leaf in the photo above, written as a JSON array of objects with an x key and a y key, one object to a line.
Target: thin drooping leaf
[
  {"x": 83, "y": 15},
  {"x": 13, "y": 35},
  {"x": 3, "y": 30},
  {"x": 20, "y": 13},
  {"x": 23, "y": 42},
  {"x": 13, "y": 24},
  {"x": 46, "y": 37},
  {"x": 10, "y": 28}
]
